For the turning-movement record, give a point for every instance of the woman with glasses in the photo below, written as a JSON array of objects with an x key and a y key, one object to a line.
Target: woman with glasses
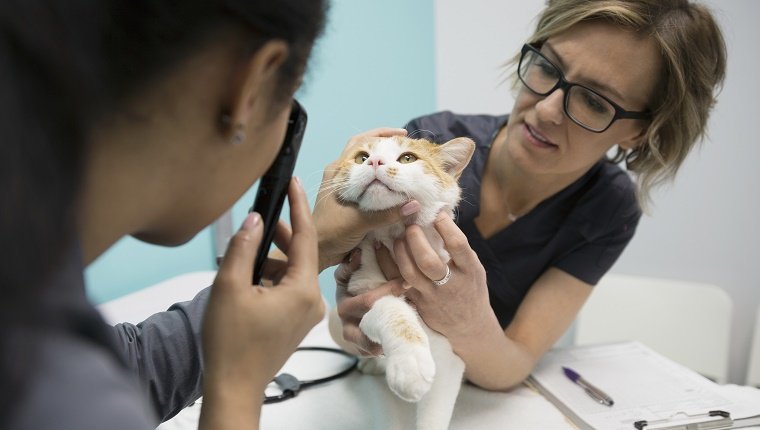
[{"x": 545, "y": 211}]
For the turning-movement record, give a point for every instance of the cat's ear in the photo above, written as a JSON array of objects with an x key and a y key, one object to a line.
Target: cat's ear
[{"x": 456, "y": 154}]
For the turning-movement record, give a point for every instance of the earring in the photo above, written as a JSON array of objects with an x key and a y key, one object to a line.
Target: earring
[
  {"x": 632, "y": 157},
  {"x": 239, "y": 134}
]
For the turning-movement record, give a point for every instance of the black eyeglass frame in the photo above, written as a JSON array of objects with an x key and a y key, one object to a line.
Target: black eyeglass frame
[{"x": 565, "y": 85}]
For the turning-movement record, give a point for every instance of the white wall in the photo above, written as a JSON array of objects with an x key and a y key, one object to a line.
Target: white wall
[{"x": 704, "y": 227}]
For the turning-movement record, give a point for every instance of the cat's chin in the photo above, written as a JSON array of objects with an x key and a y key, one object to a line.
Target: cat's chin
[
  {"x": 380, "y": 197},
  {"x": 371, "y": 205}
]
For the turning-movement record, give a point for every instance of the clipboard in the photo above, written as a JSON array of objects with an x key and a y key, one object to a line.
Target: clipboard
[
  {"x": 650, "y": 392},
  {"x": 712, "y": 420}
]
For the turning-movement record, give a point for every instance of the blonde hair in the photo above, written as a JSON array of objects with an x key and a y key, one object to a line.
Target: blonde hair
[{"x": 694, "y": 62}]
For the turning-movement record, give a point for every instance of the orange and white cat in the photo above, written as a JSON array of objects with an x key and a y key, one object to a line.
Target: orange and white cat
[{"x": 381, "y": 173}]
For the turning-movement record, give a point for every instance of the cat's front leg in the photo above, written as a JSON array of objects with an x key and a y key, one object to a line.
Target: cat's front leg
[
  {"x": 409, "y": 365},
  {"x": 435, "y": 409}
]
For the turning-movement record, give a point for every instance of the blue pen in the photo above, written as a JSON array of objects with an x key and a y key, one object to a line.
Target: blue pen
[{"x": 591, "y": 390}]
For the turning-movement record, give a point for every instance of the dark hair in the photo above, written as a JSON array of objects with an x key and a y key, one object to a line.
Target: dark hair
[
  {"x": 147, "y": 36},
  {"x": 62, "y": 63}
]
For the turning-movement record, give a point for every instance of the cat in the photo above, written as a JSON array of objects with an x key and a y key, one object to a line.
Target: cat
[{"x": 381, "y": 173}]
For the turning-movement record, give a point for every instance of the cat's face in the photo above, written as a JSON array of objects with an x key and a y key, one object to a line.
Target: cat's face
[{"x": 383, "y": 172}]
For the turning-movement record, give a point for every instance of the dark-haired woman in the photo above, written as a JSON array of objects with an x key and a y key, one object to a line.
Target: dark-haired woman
[{"x": 145, "y": 118}]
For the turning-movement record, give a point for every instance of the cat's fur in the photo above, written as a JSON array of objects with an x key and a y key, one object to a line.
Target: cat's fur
[{"x": 419, "y": 364}]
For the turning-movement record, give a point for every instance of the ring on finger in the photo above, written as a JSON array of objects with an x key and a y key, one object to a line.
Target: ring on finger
[{"x": 445, "y": 278}]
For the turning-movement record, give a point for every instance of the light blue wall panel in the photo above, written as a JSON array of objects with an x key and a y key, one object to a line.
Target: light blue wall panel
[
  {"x": 131, "y": 265},
  {"x": 374, "y": 67}
]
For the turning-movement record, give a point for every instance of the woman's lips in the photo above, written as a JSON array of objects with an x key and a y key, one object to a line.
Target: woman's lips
[{"x": 536, "y": 138}]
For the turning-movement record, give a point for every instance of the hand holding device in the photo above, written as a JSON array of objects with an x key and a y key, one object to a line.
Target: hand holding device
[{"x": 274, "y": 184}]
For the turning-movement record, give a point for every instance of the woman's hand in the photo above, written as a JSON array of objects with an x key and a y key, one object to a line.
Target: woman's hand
[
  {"x": 345, "y": 318},
  {"x": 461, "y": 306},
  {"x": 342, "y": 226},
  {"x": 250, "y": 331}
]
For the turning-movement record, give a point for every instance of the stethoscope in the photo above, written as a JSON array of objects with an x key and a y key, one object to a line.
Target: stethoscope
[{"x": 291, "y": 386}]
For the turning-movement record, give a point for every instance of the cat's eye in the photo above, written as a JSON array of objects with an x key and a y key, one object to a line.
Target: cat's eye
[
  {"x": 361, "y": 157},
  {"x": 407, "y": 158}
]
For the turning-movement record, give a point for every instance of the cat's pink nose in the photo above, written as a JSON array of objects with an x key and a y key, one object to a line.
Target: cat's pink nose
[{"x": 375, "y": 162}]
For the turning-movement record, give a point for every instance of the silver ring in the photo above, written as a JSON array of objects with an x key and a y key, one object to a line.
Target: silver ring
[{"x": 445, "y": 278}]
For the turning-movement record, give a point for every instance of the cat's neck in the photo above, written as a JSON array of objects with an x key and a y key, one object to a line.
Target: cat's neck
[
  {"x": 427, "y": 215},
  {"x": 424, "y": 218}
]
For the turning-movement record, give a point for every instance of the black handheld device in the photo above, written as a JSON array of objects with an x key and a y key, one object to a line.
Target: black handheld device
[{"x": 273, "y": 186}]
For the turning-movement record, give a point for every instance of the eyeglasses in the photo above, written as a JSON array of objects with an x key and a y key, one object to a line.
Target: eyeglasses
[{"x": 584, "y": 106}]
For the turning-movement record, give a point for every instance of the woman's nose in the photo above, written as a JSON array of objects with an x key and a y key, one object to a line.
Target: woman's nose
[{"x": 550, "y": 108}]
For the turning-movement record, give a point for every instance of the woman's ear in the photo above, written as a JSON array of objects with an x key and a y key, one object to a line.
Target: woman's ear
[
  {"x": 634, "y": 141},
  {"x": 254, "y": 80}
]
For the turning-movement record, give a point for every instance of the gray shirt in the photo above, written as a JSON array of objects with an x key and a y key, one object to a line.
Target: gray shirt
[
  {"x": 88, "y": 375},
  {"x": 581, "y": 230}
]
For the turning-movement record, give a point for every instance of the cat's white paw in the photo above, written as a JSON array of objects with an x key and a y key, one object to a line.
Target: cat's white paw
[
  {"x": 410, "y": 373},
  {"x": 372, "y": 365}
]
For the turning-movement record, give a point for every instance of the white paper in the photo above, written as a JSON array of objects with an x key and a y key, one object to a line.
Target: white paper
[{"x": 643, "y": 384}]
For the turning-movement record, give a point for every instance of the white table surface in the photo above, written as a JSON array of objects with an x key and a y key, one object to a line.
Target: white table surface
[
  {"x": 357, "y": 401},
  {"x": 360, "y": 401}
]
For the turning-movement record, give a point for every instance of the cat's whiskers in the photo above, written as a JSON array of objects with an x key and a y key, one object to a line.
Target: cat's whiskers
[
  {"x": 333, "y": 186},
  {"x": 332, "y": 189},
  {"x": 464, "y": 200},
  {"x": 317, "y": 173},
  {"x": 420, "y": 130}
]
